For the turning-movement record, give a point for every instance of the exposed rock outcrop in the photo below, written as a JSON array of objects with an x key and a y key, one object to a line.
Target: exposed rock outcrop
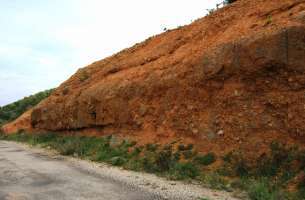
[{"x": 239, "y": 71}]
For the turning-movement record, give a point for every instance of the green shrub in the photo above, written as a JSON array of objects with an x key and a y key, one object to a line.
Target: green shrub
[
  {"x": 236, "y": 164},
  {"x": 241, "y": 183},
  {"x": 189, "y": 154},
  {"x": 300, "y": 157},
  {"x": 242, "y": 168},
  {"x": 134, "y": 164},
  {"x": 151, "y": 147},
  {"x": 2, "y": 135},
  {"x": 68, "y": 147},
  {"x": 260, "y": 190},
  {"x": 136, "y": 151},
  {"x": 41, "y": 138},
  {"x": 300, "y": 195},
  {"x": 149, "y": 164},
  {"x": 118, "y": 161},
  {"x": 101, "y": 155},
  {"x": 184, "y": 170},
  {"x": 228, "y": 158},
  {"x": 279, "y": 159},
  {"x": 164, "y": 160},
  {"x": 214, "y": 181},
  {"x": 207, "y": 159},
  {"x": 177, "y": 156},
  {"x": 83, "y": 76},
  {"x": 105, "y": 152}
]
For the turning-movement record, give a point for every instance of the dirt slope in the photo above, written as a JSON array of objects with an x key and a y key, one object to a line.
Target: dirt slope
[
  {"x": 22, "y": 123},
  {"x": 235, "y": 78}
]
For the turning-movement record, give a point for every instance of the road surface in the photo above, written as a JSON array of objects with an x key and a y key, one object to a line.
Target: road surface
[{"x": 36, "y": 174}]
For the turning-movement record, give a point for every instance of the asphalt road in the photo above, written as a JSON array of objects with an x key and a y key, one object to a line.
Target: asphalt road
[{"x": 26, "y": 175}]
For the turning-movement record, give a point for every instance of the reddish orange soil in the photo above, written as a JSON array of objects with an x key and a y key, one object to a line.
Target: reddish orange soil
[{"x": 233, "y": 79}]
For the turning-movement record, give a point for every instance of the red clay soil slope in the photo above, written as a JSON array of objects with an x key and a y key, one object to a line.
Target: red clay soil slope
[{"x": 233, "y": 79}]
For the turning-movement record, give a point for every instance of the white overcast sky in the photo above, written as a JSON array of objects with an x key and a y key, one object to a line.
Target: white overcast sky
[{"x": 43, "y": 42}]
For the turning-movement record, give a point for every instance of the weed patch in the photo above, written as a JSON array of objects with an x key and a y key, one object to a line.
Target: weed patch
[
  {"x": 207, "y": 159},
  {"x": 266, "y": 179},
  {"x": 152, "y": 158}
]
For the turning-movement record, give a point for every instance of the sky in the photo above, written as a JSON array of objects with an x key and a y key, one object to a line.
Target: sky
[{"x": 44, "y": 42}]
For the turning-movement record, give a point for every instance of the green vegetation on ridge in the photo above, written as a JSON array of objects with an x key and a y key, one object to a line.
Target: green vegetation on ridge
[
  {"x": 229, "y": 1},
  {"x": 12, "y": 111}
]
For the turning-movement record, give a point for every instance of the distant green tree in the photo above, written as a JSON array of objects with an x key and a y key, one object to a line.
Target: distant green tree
[
  {"x": 229, "y": 1},
  {"x": 12, "y": 111}
]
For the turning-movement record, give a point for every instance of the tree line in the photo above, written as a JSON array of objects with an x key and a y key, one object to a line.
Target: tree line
[{"x": 12, "y": 111}]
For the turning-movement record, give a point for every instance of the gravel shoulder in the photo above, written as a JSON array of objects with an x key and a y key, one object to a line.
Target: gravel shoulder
[{"x": 34, "y": 173}]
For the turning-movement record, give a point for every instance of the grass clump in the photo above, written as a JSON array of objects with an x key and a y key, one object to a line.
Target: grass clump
[
  {"x": 215, "y": 181},
  {"x": 260, "y": 190},
  {"x": 184, "y": 170},
  {"x": 83, "y": 76},
  {"x": 151, "y": 147},
  {"x": 268, "y": 177},
  {"x": 118, "y": 161},
  {"x": 269, "y": 20},
  {"x": 207, "y": 159}
]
